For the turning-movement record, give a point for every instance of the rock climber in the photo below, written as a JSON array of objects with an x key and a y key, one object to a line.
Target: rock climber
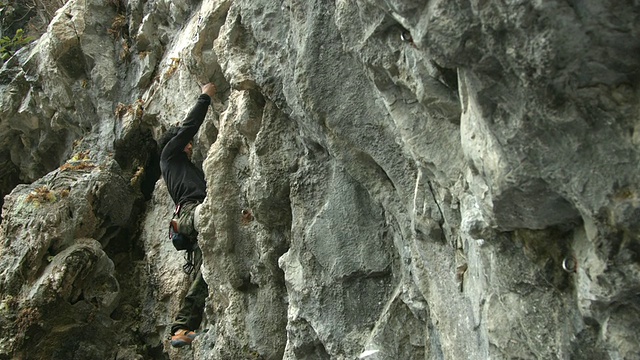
[{"x": 187, "y": 187}]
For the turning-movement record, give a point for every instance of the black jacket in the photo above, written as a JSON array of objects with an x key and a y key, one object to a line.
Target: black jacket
[{"x": 184, "y": 180}]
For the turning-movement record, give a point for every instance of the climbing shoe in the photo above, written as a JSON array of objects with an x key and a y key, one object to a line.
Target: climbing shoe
[{"x": 182, "y": 337}]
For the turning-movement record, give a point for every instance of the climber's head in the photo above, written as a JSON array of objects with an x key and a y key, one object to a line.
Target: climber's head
[
  {"x": 189, "y": 149},
  {"x": 168, "y": 135}
]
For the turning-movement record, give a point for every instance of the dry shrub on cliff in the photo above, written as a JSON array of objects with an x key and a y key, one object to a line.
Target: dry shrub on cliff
[
  {"x": 41, "y": 195},
  {"x": 46, "y": 9},
  {"x": 39, "y": 14},
  {"x": 117, "y": 26},
  {"x": 79, "y": 161}
]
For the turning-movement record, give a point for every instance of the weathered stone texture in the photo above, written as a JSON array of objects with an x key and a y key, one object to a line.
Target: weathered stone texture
[{"x": 387, "y": 179}]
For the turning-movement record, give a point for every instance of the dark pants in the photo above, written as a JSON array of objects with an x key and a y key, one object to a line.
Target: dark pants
[{"x": 190, "y": 314}]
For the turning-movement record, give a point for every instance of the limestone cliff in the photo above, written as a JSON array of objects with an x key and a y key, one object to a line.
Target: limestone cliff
[{"x": 387, "y": 179}]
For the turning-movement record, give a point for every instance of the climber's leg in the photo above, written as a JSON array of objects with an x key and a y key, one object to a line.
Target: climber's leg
[
  {"x": 185, "y": 220},
  {"x": 196, "y": 218},
  {"x": 190, "y": 314}
]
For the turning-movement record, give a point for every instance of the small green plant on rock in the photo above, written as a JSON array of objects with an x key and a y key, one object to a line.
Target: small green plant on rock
[{"x": 9, "y": 46}]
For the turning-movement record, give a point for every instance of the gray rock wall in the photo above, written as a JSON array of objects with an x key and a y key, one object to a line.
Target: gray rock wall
[{"x": 386, "y": 180}]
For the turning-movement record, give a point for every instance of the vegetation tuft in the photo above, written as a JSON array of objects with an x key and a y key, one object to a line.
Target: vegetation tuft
[
  {"x": 41, "y": 195},
  {"x": 23, "y": 21},
  {"x": 79, "y": 161},
  {"x": 9, "y": 46}
]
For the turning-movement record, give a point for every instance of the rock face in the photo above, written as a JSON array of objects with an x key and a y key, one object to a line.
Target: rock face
[{"x": 390, "y": 179}]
